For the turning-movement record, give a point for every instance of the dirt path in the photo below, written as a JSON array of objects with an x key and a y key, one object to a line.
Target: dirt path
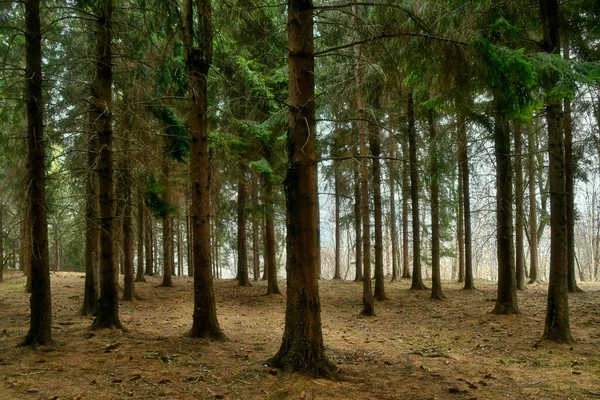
[{"x": 415, "y": 348}]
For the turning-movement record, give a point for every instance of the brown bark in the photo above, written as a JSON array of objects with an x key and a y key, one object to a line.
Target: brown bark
[
  {"x": 128, "y": 241},
  {"x": 149, "y": 243},
  {"x": 92, "y": 249},
  {"x": 358, "y": 277},
  {"x": 506, "y": 302},
  {"x": 101, "y": 115},
  {"x": 337, "y": 177},
  {"x": 270, "y": 260},
  {"x": 2, "y": 259},
  {"x": 255, "y": 238},
  {"x": 198, "y": 57},
  {"x": 417, "y": 280},
  {"x": 533, "y": 243},
  {"x": 405, "y": 197},
  {"x": 242, "y": 247},
  {"x": 393, "y": 219},
  {"x": 40, "y": 327},
  {"x": 302, "y": 348},
  {"x": 464, "y": 161},
  {"x": 460, "y": 231},
  {"x": 26, "y": 236},
  {"x": 140, "y": 236},
  {"x": 167, "y": 224},
  {"x": 436, "y": 280},
  {"x": 519, "y": 223},
  {"x": 179, "y": 247},
  {"x": 375, "y": 147},
  {"x": 557, "y": 327},
  {"x": 190, "y": 256}
]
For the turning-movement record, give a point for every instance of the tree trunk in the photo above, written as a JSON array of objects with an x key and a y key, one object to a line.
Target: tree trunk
[
  {"x": 570, "y": 168},
  {"x": 128, "y": 241},
  {"x": 519, "y": 224},
  {"x": 255, "y": 238},
  {"x": 242, "y": 260},
  {"x": 92, "y": 249},
  {"x": 557, "y": 327},
  {"x": 375, "y": 147},
  {"x": 179, "y": 247},
  {"x": 149, "y": 243},
  {"x": 26, "y": 235},
  {"x": 533, "y": 243},
  {"x": 270, "y": 259},
  {"x": 40, "y": 328},
  {"x": 436, "y": 279},
  {"x": 167, "y": 224},
  {"x": 405, "y": 196},
  {"x": 464, "y": 161},
  {"x": 506, "y": 302},
  {"x": 265, "y": 245},
  {"x": 460, "y": 231},
  {"x": 2, "y": 259},
  {"x": 101, "y": 115},
  {"x": 140, "y": 235},
  {"x": 337, "y": 176},
  {"x": 198, "y": 57},
  {"x": 358, "y": 277},
  {"x": 302, "y": 347},
  {"x": 393, "y": 219},
  {"x": 190, "y": 256},
  {"x": 417, "y": 280}
]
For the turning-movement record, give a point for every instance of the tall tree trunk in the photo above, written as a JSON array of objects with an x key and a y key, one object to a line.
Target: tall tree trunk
[
  {"x": 149, "y": 243},
  {"x": 358, "y": 277},
  {"x": 40, "y": 327},
  {"x": 26, "y": 235},
  {"x": 167, "y": 224},
  {"x": 464, "y": 161},
  {"x": 198, "y": 57},
  {"x": 436, "y": 279},
  {"x": 190, "y": 256},
  {"x": 405, "y": 197},
  {"x": 460, "y": 231},
  {"x": 337, "y": 176},
  {"x": 2, "y": 258},
  {"x": 417, "y": 280},
  {"x": 557, "y": 327},
  {"x": 393, "y": 218},
  {"x": 242, "y": 260},
  {"x": 179, "y": 247},
  {"x": 108, "y": 306},
  {"x": 302, "y": 347},
  {"x": 92, "y": 249},
  {"x": 519, "y": 224},
  {"x": 570, "y": 168},
  {"x": 506, "y": 302},
  {"x": 533, "y": 243},
  {"x": 375, "y": 147},
  {"x": 128, "y": 241},
  {"x": 140, "y": 235},
  {"x": 270, "y": 259},
  {"x": 255, "y": 238},
  {"x": 265, "y": 245}
]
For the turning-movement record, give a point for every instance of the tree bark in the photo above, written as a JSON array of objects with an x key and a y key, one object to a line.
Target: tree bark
[
  {"x": 358, "y": 277},
  {"x": 436, "y": 279},
  {"x": 270, "y": 259},
  {"x": 255, "y": 238},
  {"x": 140, "y": 235},
  {"x": 242, "y": 259},
  {"x": 405, "y": 197},
  {"x": 460, "y": 231},
  {"x": 375, "y": 147},
  {"x": 40, "y": 327},
  {"x": 506, "y": 301},
  {"x": 533, "y": 243},
  {"x": 149, "y": 243},
  {"x": 198, "y": 58},
  {"x": 302, "y": 347},
  {"x": 417, "y": 280},
  {"x": 128, "y": 241},
  {"x": 464, "y": 161},
  {"x": 519, "y": 224},
  {"x": 167, "y": 224},
  {"x": 337, "y": 177},
  {"x": 2, "y": 258},
  {"x": 393, "y": 219},
  {"x": 557, "y": 327}
]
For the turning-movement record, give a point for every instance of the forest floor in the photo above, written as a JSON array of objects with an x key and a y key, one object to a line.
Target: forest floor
[{"x": 415, "y": 348}]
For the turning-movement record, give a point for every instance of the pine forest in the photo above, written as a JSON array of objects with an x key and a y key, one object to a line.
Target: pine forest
[{"x": 299, "y": 199}]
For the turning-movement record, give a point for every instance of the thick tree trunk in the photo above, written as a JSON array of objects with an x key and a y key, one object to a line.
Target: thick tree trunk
[
  {"x": 101, "y": 115},
  {"x": 533, "y": 243},
  {"x": 436, "y": 279},
  {"x": 198, "y": 57},
  {"x": 557, "y": 327},
  {"x": 40, "y": 327},
  {"x": 167, "y": 224},
  {"x": 242, "y": 259},
  {"x": 92, "y": 249},
  {"x": 255, "y": 237},
  {"x": 506, "y": 302},
  {"x": 358, "y": 277},
  {"x": 464, "y": 161},
  {"x": 519, "y": 224},
  {"x": 417, "y": 280},
  {"x": 375, "y": 147},
  {"x": 140, "y": 236},
  {"x": 302, "y": 347}
]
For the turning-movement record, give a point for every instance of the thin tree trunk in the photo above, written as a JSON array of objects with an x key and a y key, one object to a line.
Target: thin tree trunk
[
  {"x": 179, "y": 247},
  {"x": 405, "y": 197},
  {"x": 40, "y": 327},
  {"x": 393, "y": 219},
  {"x": 302, "y": 347},
  {"x": 265, "y": 245},
  {"x": 242, "y": 261},
  {"x": 255, "y": 238},
  {"x": 506, "y": 302},
  {"x": 464, "y": 161},
  {"x": 2, "y": 258},
  {"x": 140, "y": 236},
  {"x": 337, "y": 183},
  {"x": 519, "y": 224},
  {"x": 270, "y": 256},
  {"x": 128, "y": 241},
  {"x": 358, "y": 277},
  {"x": 190, "y": 256},
  {"x": 533, "y": 243},
  {"x": 417, "y": 280},
  {"x": 149, "y": 243},
  {"x": 167, "y": 223},
  {"x": 436, "y": 280},
  {"x": 198, "y": 57},
  {"x": 460, "y": 231},
  {"x": 375, "y": 147}
]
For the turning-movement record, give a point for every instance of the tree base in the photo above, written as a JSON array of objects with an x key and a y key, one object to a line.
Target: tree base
[
  {"x": 438, "y": 296},
  {"x": 107, "y": 323},
  {"x": 315, "y": 368},
  {"x": 382, "y": 297},
  {"x": 37, "y": 341},
  {"x": 504, "y": 309},
  {"x": 368, "y": 311},
  {"x": 559, "y": 336},
  {"x": 417, "y": 286},
  {"x": 215, "y": 335}
]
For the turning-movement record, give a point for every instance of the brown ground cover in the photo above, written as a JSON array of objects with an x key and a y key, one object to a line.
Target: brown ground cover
[{"x": 415, "y": 348}]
